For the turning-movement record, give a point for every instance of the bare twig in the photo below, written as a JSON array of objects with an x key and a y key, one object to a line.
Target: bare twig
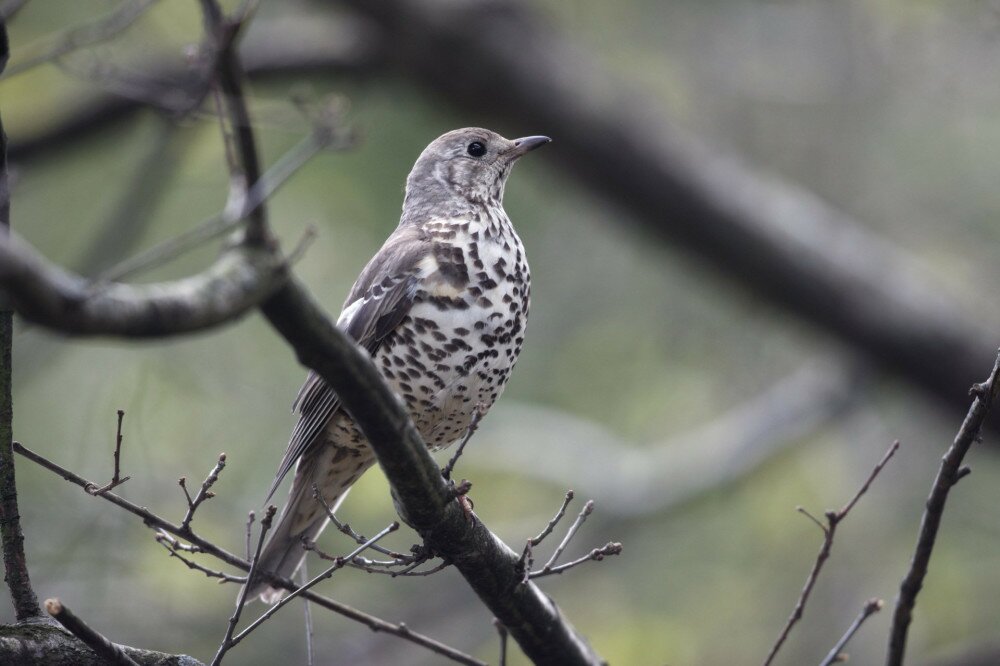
[
  {"x": 204, "y": 492},
  {"x": 176, "y": 546},
  {"x": 95, "y": 641},
  {"x": 229, "y": 78},
  {"x": 596, "y": 555},
  {"x": 833, "y": 518},
  {"x": 400, "y": 566},
  {"x": 836, "y": 655},
  {"x": 116, "y": 479},
  {"x": 307, "y": 615},
  {"x": 948, "y": 475},
  {"x": 203, "y": 545},
  {"x": 555, "y": 520},
  {"x": 250, "y": 518},
  {"x": 477, "y": 416},
  {"x": 339, "y": 564},
  {"x": 588, "y": 509},
  {"x": 345, "y": 528},
  {"x": 228, "y": 641}
]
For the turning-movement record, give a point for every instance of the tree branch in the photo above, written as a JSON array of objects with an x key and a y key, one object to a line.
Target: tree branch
[
  {"x": 48, "y": 295},
  {"x": 836, "y": 655},
  {"x": 833, "y": 518},
  {"x": 950, "y": 472},
  {"x": 15, "y": 566},
  {"x": 58, "y": 647},
  {"x": 104, "y": 648}
]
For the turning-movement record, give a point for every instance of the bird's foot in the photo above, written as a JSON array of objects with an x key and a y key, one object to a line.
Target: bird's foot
[{"x": 461, "y": 491}]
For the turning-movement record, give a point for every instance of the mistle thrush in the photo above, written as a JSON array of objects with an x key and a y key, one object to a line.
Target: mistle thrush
[{"x": 442, "y": 309}]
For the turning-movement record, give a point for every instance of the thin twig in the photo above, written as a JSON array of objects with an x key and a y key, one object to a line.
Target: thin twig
[
  {"x": 339, "y": 564},
  {"x": 116, "y": 480},
  {"x": 477, "y": 416},
  {"x": 588, "y": 508},
  {"x": 104, "y": 648},
  {"x": 555, "y": 520},
  {"x": 833, "y": 518},
  {"x": 228, "y": 220},
  {"x": 204, "y": 492},
  {"x": 948, "y": 475},
  {"x": 155, "y": 521},
  {"x": 345, "y": 528},
  {"x": 250, "y": 518},
  {"x": 307, "y": 615},
  {"x": 836, "y": 655},
  {"x": 391, "y": 568},
  {"x": 596, "y": 555},
  {"x": 172, "y": 546},
  {"x": 228, "y": 641}
]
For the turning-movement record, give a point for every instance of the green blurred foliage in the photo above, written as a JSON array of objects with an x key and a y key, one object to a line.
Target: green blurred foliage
[{"x": 887, "y": 109}]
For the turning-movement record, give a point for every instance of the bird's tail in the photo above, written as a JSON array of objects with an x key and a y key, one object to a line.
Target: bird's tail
[
  {"x": 283, "y": 553},
  {"x": 304, "y": 517}
]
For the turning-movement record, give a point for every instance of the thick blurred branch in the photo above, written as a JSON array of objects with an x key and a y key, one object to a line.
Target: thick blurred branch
[
  {"x": 48, "y": 295},
  {"x": 656, "y": 477},
  {"x": 770, "y": 236},
  {"x": 271, "y": 48}
]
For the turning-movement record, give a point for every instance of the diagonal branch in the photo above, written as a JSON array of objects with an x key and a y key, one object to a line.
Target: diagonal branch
[
  {"x": 950, "y": 473},
  {"x": 424, "y": 499}
]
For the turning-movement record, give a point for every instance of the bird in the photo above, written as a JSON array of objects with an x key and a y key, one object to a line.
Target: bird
[{"x": 441, "y": 308}]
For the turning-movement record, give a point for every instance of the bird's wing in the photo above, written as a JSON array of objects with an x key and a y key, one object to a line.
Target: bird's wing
[{"x": 379, "y": 300}]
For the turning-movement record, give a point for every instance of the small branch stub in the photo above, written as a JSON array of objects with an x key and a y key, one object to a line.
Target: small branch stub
[{"x": 95, "y": 641}]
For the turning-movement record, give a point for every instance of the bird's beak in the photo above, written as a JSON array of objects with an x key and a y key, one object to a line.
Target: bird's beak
[{"x": 526, "y": 144}]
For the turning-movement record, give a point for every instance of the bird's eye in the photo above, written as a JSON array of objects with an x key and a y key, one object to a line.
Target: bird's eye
[{"x": 477, "y": 149}]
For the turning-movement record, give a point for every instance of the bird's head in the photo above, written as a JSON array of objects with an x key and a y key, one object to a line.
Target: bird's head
[{"x": 471, "y": 163}]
